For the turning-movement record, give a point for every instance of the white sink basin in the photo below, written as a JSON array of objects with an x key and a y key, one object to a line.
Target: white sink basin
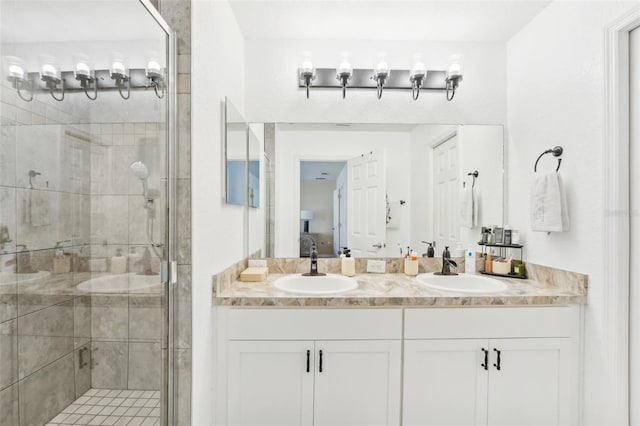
[
  {"x": 11, "y": 278},
  {"x": 325, "y": 284},
  {"x": 463, "y": 283},
  {"x": 120, "y": 283}
]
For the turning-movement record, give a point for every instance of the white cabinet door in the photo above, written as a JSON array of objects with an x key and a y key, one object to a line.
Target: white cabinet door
[
  {"x": 445, "y": 382},
  {"x": 269, "y": 384},
  {"x": 357, "y": 383},
  {"x": 533, "y": 385}
]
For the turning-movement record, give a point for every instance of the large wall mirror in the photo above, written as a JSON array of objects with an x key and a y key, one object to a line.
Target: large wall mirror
[{"x": 375, "y": 188}]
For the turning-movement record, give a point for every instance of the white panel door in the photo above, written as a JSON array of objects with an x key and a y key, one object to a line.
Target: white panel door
[
  {"x": 533, "y": 385},
  {"x": 357, "y": 383},
  {"x": 366, "y": 206},
  {"x": 445, "y": 382},
  {"x": 446, "y": 193},
  {"x": 269, "y": 383},
  {"x": 634, "y": 252}
]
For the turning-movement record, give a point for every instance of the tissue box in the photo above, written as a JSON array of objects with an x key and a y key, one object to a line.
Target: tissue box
[
  {"x": 503, "y": 268},
  {"x": 254, "y": 274}
]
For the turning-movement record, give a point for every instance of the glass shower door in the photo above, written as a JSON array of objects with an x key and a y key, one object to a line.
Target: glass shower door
[{"x": 86, "y": 233}]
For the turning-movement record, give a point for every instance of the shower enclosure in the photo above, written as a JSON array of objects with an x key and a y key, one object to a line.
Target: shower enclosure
[{"x": 87, "y": 189}]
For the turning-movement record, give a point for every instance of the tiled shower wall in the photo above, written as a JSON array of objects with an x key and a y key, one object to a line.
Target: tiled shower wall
[
  {"x": 177, "y": 13},
  {"x": 44, "y": 324},
  {"x": 57, "y": 341},
  {"x": 45, "y": 320}
]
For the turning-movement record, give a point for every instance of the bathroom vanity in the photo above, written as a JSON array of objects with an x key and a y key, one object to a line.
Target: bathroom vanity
[{"x": 393, "y": 352}]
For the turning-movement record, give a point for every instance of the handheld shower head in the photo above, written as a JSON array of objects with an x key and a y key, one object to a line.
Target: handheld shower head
[{"x": 140, "y": 170}]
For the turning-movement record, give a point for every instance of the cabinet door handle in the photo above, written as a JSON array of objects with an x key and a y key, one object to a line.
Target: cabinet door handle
[
  {"x": 320, "y": 369},
  {"x": 485, "y": 364},
  {"x": 308, "y": 359},
  {"x": 497, "y": 364}
]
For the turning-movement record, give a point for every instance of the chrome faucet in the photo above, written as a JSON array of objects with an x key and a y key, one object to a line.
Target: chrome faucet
[
  {"x": 313, "y": 272},
  {"x": 447, "y": 263}
]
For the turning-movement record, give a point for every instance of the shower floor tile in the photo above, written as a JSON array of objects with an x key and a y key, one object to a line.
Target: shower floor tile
[{"x": 112, "y": 407}]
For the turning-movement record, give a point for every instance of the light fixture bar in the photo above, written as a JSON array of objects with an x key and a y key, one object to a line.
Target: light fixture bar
[
  {"x": 137, "y": 76},
  {"x": 361, "y": 79}
]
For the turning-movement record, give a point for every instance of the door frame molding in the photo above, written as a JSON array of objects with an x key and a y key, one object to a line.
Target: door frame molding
[{"x": 616, "y": 214}]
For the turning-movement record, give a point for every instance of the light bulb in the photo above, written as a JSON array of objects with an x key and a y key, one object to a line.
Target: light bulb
[
  {"x": 49, "y": 71},
  {"x": 382, "y": 68},
  {"x": 117, "y": 67},
  {"x": 82, "y": 69},
  {"x": 16, "y": 71},
  {"x": 307, "y": 66},
  {"x": 454, "y": 70},
  {"x": 153, "y": 67},
  {"x": 344, "y": 67},
  {"x": 418, "y": 69}
]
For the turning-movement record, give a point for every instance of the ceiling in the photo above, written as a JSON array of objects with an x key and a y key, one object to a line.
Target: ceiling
[
  {"x": 424, "y": 20},
  {"x": 321, "y": 170},
  {"x": 54, "y": 21}
]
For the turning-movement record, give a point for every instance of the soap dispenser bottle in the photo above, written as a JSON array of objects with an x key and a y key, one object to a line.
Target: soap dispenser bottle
[
  {"x": 348, "y": 263},
  {"x": 118, "y": 263},
  {"x": 411, "y": 264}
]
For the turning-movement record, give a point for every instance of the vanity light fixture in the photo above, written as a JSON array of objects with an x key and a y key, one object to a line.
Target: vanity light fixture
[
  {"x": 154, "y": 74},
  {"x": 82, "y": 74},
  {"x": 51, "y": 77},
  {"x": 454, "y": 76},
  {"x": 343, "y": 74},
  {"x": 119, "y": 74},
  {"x": 380, "y": 75},
  {"x": 18, "y": 77},
  {"x": 307, "y": 73},
  {"x": 416, "y": 77}
]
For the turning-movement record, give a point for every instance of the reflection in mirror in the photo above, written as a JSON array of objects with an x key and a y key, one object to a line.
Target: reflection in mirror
[
  {"x": 236, "y": 155},
  {"x": 255, "y": 149},
  {"x": 259, "y": 164},
  {"x": 379, "y": 188}
]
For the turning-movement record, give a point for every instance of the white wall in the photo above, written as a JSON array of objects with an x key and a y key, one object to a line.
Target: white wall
[
  {"x": 481, "y": 149},
  {"x": 555, "y": 69},
  {"x": 273, "y": 94},
  {"x": 339, "y": 145},
  {"x": 423, "y": 138},
  {"x": 317, "y": 197},
  {"x": 218, "y": 236},
  {"x": 257, "y": 216}
]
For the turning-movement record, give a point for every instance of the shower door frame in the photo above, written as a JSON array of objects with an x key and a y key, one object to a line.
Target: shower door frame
[{"x": 169, "y": 265}]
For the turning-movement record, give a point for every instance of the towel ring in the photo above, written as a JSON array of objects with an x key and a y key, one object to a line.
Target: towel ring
[{"x": 556, "y": 151}]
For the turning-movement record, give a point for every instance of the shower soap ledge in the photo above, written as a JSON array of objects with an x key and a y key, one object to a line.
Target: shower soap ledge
[{"x": 254, "y": 274}]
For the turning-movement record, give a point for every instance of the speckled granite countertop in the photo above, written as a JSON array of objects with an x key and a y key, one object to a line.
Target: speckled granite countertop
[{"x": 398, "y": 289}]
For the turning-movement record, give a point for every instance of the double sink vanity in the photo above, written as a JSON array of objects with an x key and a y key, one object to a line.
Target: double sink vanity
[
  {"x": 391, "y": 349},
  {"x": 385, "y": 348}
]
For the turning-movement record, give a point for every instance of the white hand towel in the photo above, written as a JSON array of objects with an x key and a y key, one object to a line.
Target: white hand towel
[
  {"x": 476, "y": 206},
  {"x": 39, "y": 208},
  {"x": 466, "y": 208},
  {"x": 549, "y": 211}
]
